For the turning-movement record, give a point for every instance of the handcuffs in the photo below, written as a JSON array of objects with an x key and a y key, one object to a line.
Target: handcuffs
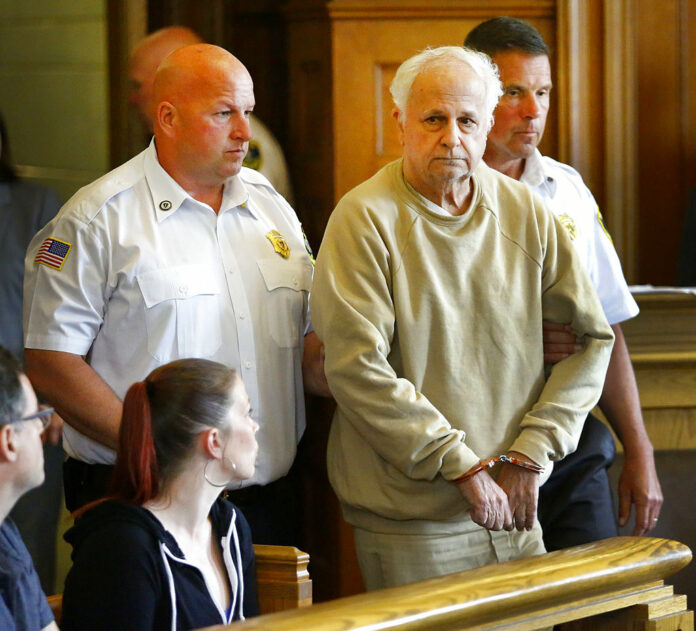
[{"x": 491, "y": 462}]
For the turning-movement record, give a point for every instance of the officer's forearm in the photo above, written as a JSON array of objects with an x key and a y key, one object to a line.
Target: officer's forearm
[
  {"x": 77, "y": 392},
  {"x": 313, "y": 375},
  {"x": 620, "y": 402}
]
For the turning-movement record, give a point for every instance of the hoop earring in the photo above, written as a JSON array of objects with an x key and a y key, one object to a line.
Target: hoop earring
[{"x": 216, "y": 484}]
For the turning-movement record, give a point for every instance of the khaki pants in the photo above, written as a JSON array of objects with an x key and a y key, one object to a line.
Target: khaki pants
[{"x": 387, "y": 560}]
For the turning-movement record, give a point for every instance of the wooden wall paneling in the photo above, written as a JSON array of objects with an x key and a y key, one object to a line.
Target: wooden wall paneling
[
  {"x": 206, "y": 20},
  {"x": 621, "y": 111},
  {"x": 310, "y": 148},
  {"x": 688, "y": 66},
  {"x": 578, "y": 81},
  {"x": 255, "y": 33},
  {"x": 661, "y": 188},
  {"x": 127, "y": 24}
]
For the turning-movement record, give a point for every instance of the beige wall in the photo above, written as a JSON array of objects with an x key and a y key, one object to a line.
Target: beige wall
[{"x": 53, "y": 89}]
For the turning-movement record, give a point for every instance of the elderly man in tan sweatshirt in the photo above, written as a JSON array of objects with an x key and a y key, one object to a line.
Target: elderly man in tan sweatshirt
[{"x": 430, "y": 290}]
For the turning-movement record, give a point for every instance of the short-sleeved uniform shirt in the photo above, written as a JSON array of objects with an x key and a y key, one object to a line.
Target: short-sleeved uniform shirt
[
  {"x": 571, "y": 201},
  {"x": 23, "y": 605},
  {"x": 142, "y": 274}
]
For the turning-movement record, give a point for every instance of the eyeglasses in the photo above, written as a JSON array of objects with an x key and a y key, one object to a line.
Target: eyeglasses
[{"x": 43, "y": 415}]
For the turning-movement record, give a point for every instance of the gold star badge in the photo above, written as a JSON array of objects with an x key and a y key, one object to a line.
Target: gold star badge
[
  {"x": 279, "y": 244},
  {"x": 569, "y": 225}
]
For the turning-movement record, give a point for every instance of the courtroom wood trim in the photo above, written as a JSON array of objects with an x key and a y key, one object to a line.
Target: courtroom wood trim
[
  {"x": 282, "y": 578},
  {"x": 621, "y": 149},
  {"x": 418, "y": 9},
  {"x": 127, "y": 24},
  {"x": 524, "y": 594}
]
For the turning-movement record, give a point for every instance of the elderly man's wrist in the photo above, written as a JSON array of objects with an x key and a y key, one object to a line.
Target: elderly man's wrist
[{"x": 514, "y": 458}]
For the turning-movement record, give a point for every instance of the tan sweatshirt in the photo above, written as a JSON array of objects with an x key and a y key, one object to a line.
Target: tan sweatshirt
[{"x": 432, "y": 326}]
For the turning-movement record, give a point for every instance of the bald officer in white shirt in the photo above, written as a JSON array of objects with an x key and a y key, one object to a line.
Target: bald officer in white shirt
[{"x": 180, "y": 252}]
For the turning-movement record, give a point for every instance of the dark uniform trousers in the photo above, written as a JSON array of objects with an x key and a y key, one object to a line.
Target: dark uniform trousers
[{"x": 576, "y": 504}]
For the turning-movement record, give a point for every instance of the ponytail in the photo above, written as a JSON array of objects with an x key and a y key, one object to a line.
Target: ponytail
[
  {"x": 162, "y": 419},
  {"x": 136, "y": 474}
]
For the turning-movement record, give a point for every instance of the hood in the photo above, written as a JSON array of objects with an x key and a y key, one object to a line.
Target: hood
[{"x": 111, "y": 511}]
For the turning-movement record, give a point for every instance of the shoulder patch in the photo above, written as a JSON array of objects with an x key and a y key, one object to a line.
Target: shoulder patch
[
  {"x": 604, "y": 228},
  {"x": 53, "y": 253}
]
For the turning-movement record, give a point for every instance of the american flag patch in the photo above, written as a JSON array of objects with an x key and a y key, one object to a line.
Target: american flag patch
[{"x": 53, "y": 253}]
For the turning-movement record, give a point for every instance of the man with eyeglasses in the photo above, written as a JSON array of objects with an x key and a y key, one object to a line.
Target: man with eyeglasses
[{"x": 23, "y": 605}]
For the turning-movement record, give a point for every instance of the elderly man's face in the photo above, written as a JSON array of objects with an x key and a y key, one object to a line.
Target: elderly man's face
[
  {"x": 520, "y": 117},
  {"x": 212, "y": 129},
  {"x": 443, "y": 130}
]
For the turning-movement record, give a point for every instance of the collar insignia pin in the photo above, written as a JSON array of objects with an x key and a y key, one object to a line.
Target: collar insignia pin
[
  {"x": 279, "y": 244},
  {"x": 165, "y": 205}
]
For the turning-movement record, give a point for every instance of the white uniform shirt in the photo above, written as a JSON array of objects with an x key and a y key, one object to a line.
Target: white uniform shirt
[
  {"x": 152, "y": 275},
  {"x": 571, "y": 201}
]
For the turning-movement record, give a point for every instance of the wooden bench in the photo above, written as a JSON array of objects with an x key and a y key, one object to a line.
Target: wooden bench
[
  {"x": 609, "y": 585},
  {"x": 282, "y": 581}
]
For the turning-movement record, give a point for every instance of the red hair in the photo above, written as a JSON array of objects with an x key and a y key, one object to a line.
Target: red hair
[
  {"x": 135, "y": 479},
  {"x": 136, "y": 475}
]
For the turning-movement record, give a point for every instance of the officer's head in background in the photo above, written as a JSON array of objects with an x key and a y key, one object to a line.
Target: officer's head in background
[
  {"x": 522, "y": 57},
  {"x": 144, "y": 61}
]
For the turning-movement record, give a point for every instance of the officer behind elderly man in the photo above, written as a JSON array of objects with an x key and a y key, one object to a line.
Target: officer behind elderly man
[
  {"x": 180, "y": 252},
  {"x": 575, "y": 505},
  {"x": 431, "y": 285}
]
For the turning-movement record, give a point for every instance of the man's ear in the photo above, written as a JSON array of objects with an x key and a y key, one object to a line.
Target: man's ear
[
  {"x": 8, "y": 443},
  {"x": 398, "y": 117},
  {"x": 165, "y": 115}
]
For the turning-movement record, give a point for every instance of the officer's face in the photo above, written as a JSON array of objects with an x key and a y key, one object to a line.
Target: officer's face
[
  {"x": 212, "y": 130},
  {"x": 520, "y": 116},
  {"x": 443, "y": 130}
]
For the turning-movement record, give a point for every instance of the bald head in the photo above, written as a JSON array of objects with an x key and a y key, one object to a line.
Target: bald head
[
  {"x": 204, "y": 98},
  {"x": 192, "y": 71},
  {"x": 146, "y": 58}
]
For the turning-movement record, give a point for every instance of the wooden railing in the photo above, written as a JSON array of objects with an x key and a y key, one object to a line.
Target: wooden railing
[
  {"x": 613, "y": 584},
  {"x": 282, "y": 579}
]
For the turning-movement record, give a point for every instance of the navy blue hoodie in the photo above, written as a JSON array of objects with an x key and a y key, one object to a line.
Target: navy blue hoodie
[{"x": 129, "y": 573}]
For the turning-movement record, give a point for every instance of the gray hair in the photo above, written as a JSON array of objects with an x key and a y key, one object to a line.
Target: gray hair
[{"x": 480, "y": 63}]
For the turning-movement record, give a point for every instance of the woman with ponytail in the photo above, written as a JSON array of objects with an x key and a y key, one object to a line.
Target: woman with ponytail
[{"x": 163, "y": 551}]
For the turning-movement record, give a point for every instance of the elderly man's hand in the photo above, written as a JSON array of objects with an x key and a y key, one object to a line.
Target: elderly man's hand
[
  {"x": 489, "y": 504},
  {"x": 522, "y": 489},
  {"x": 559, "y": 342}
]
